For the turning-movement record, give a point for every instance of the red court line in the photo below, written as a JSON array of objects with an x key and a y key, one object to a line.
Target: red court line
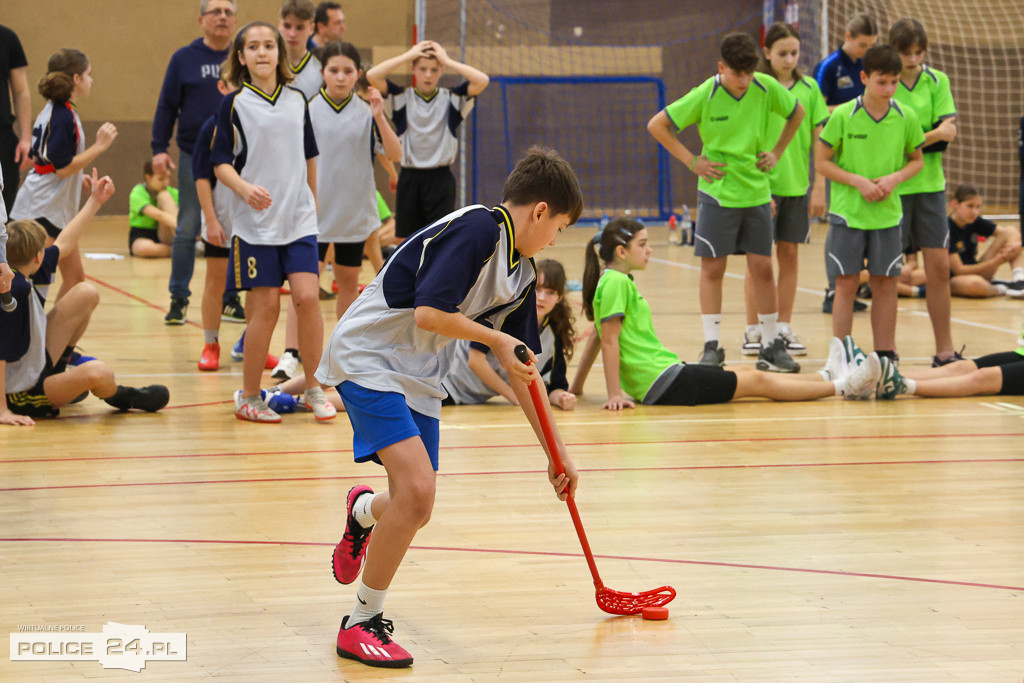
[
  {"x": 680, "y": 468},
  {"x": 135, "y": 297},
  {"x": 541, "y": 553},
  {"x": 580, "y": 444}
]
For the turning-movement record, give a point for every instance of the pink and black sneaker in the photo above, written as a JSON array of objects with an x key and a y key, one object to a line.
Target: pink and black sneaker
[
  {"x": 350, "y": 551},
  {"x": 370, "y": 642}
]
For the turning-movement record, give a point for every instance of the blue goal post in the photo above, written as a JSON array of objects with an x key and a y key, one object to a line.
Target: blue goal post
[{"x": 598, "y": 123}]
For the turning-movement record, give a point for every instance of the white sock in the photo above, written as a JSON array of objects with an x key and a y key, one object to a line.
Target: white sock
[
  {"x": 1018, "y": 274},
  {"x": 361, "y": 510},
  {"x": 840, "y": 385},
  {"x": 910, "y": 384},
  {"x": 210, "y": 336},
  {"x": 769, "y": 324},
  {"x": 369, "y": 603},
  {"x": 712, "y": 326}
]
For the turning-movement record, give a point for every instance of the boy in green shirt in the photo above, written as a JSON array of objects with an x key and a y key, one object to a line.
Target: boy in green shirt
[
  {"x": 926, "y": 91},
  {"x": 868, "y": 147},
  {"x": 152, "y": 214},
  {"x": 732, "y": 111}
]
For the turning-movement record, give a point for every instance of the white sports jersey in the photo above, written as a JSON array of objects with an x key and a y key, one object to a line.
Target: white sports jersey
[
  {"x": 268, "y": 139},
  {"x": 427, "y": 125},
  {"x": 57, "y": 136},
  {"x": 465, "y": 387},
  {"x": 344, "y": 170},
  {"x": 202, "y": 167},
  {"x": 307, "y": 74},
  {"x": 466, "y": 263}
]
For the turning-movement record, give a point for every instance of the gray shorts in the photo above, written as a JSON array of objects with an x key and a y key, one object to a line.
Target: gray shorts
[
  {"x": 924, "y": 223},
  {"x": 792, "y": 224},
  {"x": 722, "y": 231},
  {"x": 847, "y": 248}
]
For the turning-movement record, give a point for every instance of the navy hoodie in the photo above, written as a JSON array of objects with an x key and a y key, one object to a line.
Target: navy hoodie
[{"x": 189, "y": 95}]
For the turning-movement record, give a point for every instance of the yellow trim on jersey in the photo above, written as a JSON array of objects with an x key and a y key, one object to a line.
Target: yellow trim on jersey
[
  {"x": 302, "y": 64},
  {"x": 339, "y": 106},
  {"x": 427, "y": 98},
  {"x": 237, "y": 262},
  {"x": 512, "y": 261},
  {"x": 269, "y": 98}
]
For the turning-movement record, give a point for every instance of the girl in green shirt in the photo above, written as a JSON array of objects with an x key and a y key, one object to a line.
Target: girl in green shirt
[{"x": 637, "y": 367}]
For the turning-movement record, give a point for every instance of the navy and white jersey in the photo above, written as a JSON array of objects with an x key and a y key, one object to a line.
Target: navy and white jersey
[
  {"x": 465, "y": 387},
  {"x": 57, "y": 136},
  {"x": 268, "y": 139},
  {"x": 202, "y": 167},
  {"x": 427, "y": 125},
  {"x": 464, "y": 263},
  {"x": 23, "y": 330},
  {"x": 307, "y": 75},
  {"x": 346, "y": 189}
]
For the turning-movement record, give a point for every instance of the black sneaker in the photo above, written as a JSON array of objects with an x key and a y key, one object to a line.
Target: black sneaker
[
  {"x": 176, "y": 314},
  {"x": 233, "y": 312},
  {"x": 775, "y": 358},
  {"x": 151, "y": 398},
  {"x": 830, "y": 295},
  {"x": 713, "y": 354},
  {"x": 864, "y": 291},
  {"x": 957, "y": 355}
]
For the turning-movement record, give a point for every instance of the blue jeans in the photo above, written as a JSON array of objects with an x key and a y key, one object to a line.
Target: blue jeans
[{"x": 183, "y": 251}]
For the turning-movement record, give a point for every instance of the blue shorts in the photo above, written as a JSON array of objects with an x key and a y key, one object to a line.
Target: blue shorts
[
  {"x": 268, "y": 265},
  {"x": 382, "y": 418}
]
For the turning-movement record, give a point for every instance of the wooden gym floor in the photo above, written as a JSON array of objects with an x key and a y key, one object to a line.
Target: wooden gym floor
[{"x": 824, "y": 541}]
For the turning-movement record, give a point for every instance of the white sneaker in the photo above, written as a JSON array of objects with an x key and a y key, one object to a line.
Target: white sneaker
[
  {"x": 316, "y": 401},
  {"x": 287, "y": 366},
  {"x": 254, "y": 409},
  {"x": 794, "y": 346},
  {"x": 863, "y": 379},
  {"x": 835, "y": 366},
  {"x": 752, "y": 342},
  {"x": 1015, "y": 289}
]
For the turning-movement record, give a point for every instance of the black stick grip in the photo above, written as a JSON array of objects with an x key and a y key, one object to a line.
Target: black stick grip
[{"x": 522, "y": 354}]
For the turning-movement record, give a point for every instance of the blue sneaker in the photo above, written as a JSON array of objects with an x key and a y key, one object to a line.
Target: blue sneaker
[
  {"x": 280, "y": 402},
  {"x": 76, "y": 358},
  {"x": 237, "y": 351}
]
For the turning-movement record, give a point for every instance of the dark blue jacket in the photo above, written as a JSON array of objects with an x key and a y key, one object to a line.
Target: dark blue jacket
[{"x": 189, "y": 95}]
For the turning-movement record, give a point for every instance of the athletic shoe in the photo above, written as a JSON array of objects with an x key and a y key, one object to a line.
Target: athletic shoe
[
  {"x": 176, "y": 313},
  {"x": 775, "y": 358},
  {"x": 317, "y": 402},
  {"x": 325, "y": 295},
  {"x": 864, "y": 291},
  {"x": 957, "y": 355},
  {"x": 238, "y": 350},
  {"x": 890, "y": 384},
  {"x": 287, "y": 366},
  {"x": 1015, "y": 289},
  {"x": 76, "y": 359},
  {"x": 863, "y": 379},
  {"x": 280, "y": 402},
  {"x": 151, "y": 398},
  {"x": 233, "y": 312},
  {"x": 830, "y": 295},
  {"x": 751, "y": 342},
  {"x": 713, "y": 354},
  {"x": 854, "y": 356},
  {"x": 835, "y": 366},
  {"x": 351, "y": 549},
  {"x": 1001, "y": 289},
  {"x": 370, "y": 642},
  {"x": 210, "y": 360},
  {"x": 271, "y": 362},
  {"x": 254, "y": 409},
  {"x": 794, "y": 346},
  {"x": 334, "y": 283}
]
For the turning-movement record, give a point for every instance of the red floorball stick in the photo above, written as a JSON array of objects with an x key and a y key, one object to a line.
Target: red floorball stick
[{"x": 611, "y": 601}]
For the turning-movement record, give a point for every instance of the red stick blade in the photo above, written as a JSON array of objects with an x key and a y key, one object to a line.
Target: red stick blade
[{"x": 616, "y": 602}]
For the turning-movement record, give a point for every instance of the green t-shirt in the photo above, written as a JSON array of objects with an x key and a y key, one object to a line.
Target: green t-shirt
[
  {"x": 932, "y": 100},
  {"x": 140, "y": 199},
  {"x": 871, "y": 149},
  {"x": 792, "y": 176},
  {"x": 382, "y": 209},
  {"x": 641, "y": 356},
  {"x": 733, "y": 131}
]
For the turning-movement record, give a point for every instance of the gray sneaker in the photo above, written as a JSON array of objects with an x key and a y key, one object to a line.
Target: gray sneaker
[
  {"x": 751, "y": 342},
  {"x": 713, "y": 354},
  {"x": 775, "y": 358},
  {"x": 794, "y": 346}
]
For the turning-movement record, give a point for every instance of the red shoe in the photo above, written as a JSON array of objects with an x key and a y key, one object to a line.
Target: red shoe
[
  {"x": 334, "y": 286},
  {"x": 361, "y": 288},
  {"x": 271, "y": 362},
  {"x": 370, "y": 642},
  {"x": 210, "y": 360},
  {"x": 350, "y": 551}
]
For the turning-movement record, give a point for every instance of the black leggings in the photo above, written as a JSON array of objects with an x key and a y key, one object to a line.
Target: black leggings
[{"x": 1011, "y": 364}]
